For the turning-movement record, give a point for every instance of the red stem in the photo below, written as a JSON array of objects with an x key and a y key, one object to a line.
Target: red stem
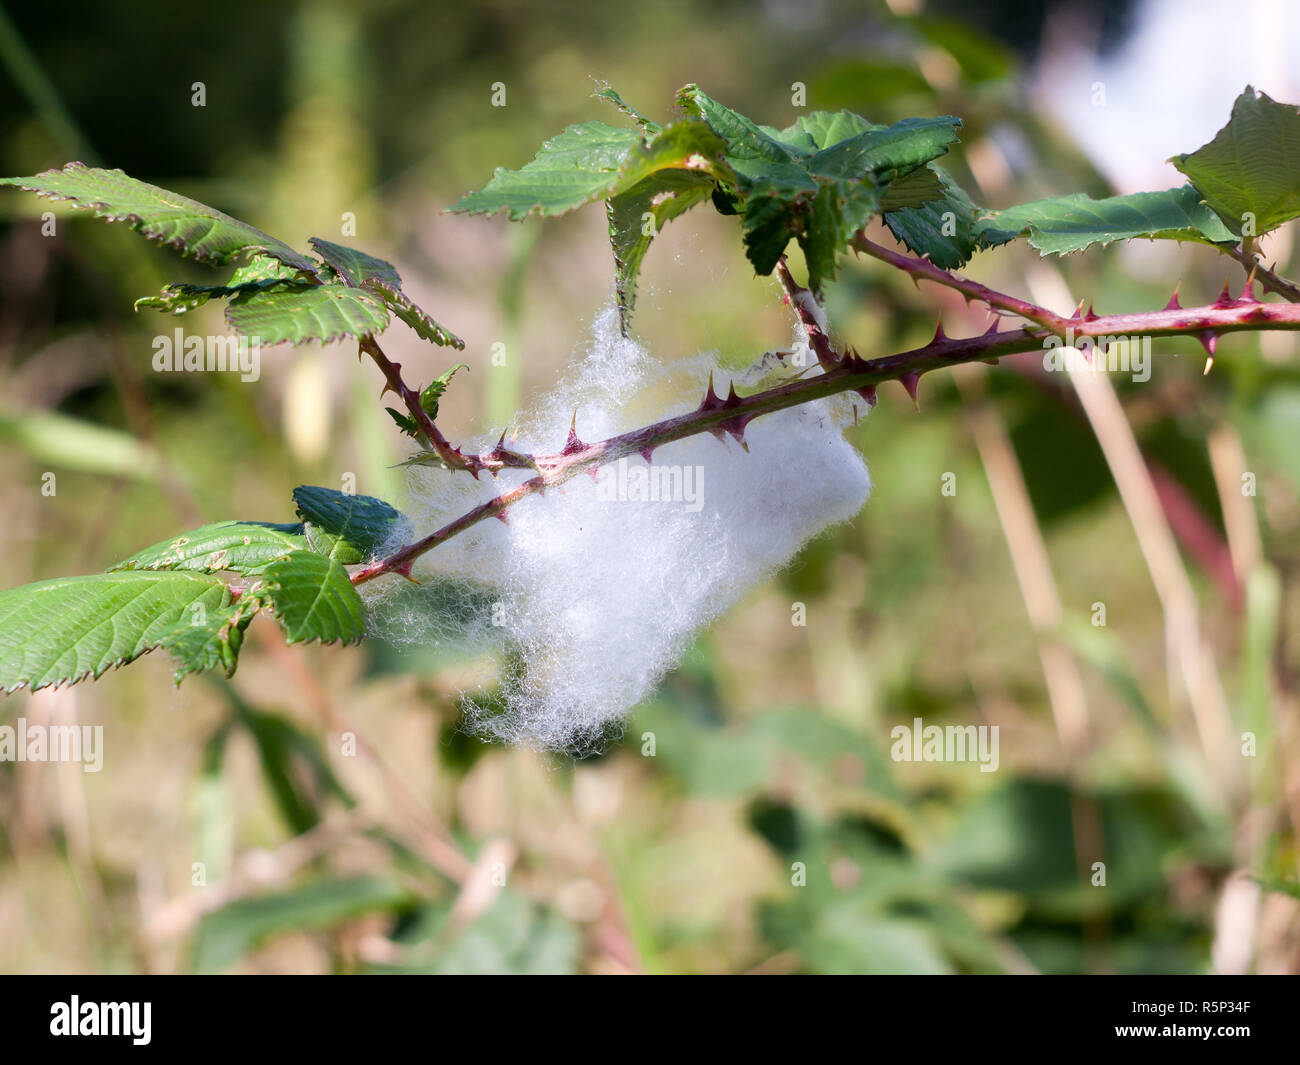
[
  {"x": 924, "y": 270},
  {"x": 851, "y": 373}
]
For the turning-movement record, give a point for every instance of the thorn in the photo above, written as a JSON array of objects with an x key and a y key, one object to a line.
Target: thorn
[
  {"x": 868, "y": 392},
  {"x": 1173, "y": 304},
  {"x": 1209, "y": 365},
  {"x": 1091, "y": 316},
  {"x": 993, "y": 327},
  {"x": 1209, "y": 340},
  {"x": 1248, "y": 293},
  {"x": 404, "y": 570},
  {"x": 500, "y": 515},
  {"x": 1078, "y": 311},
  {"x": 710, "y": 401},
  {"x": 495, "y": 455},
  {"x": 736, "y": 427},
  {"x": 647, "y": 453},
  {"x": 572, "y": 444},
  {"x": 593, "y": 472},
  {"x": 939, "y": 335},
  {"x": 732, "y": 399},
  {"x": 1225, "y": 297},
  {"x": 909, "y": 381}
]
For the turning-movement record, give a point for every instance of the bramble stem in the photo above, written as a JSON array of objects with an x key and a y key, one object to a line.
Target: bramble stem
[
  {"x": 850, "y": 373},
  {"x": 392, "y": 372},
  {"x": 924, "y": 270},
  {"x": 452, "y": 457},
  {"x": 1271, "y": 280},
  {"x": 810, "y": 314}
]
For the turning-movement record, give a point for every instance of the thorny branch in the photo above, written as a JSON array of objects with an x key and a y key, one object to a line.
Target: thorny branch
[
  {"x": 844, "y": 371},
  {"x": 452, "y": 457},
  {"x": 1271, "y": 281}
]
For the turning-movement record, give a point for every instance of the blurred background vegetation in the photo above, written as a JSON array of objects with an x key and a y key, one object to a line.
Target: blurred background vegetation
[{"x": 425, "y": 850}]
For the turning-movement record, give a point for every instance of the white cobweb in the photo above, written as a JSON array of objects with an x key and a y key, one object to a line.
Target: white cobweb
[{"x": 596, "y": 590}]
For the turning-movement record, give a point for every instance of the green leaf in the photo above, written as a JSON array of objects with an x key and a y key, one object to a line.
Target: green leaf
[
  {"x": 684, "y": 145},
  {"x": 208, "y": 641},
  {"x": 429, "y": 399},
  {"x": 662, "y": 178},
  {"x": 745, "y": 138},
  {"x": 64, "y": 630},
  {"x": 226, "y": 934},
  {"x": 404, "y": 422},
  {"x": 265, "y": 268},
  {"x": 944, "y": 229},
  {"x": 433, "y": 392},
  {"x": 663, "y": 197},
  {"x": 190, "y": 227},
  {"x": 1072, "y": 223},
  {"x": 820, "y": 179},
  {"x": 180, "y": 298},
  {"x": 317, "y": 312},
  {"x": 313, "y": 598},
  {"x": 572, "y": 169},
  {"x": 356, "y": 268},
  {"x": 902, "y": 147},
  {"x": 1252, "y": 166},
  {"x": 333, "y": 546},
  {"x": 417, "y": 318},
  {"x": 359, "y": 270},
  {"x": 820, "y": 129},
  {"x": 360, "y": 524},
  {"x": 606, "y": 93},
  {"x": 921, "y": 186},
  {"x": 839, "y": 210},
  {"x": 242, "y": 546},
  {"x": 770, "y": 222},
  {"x": 661, "y": 174}
]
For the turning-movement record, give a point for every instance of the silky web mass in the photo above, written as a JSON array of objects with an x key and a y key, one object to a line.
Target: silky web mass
[{"x": 597, "y": 587}]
